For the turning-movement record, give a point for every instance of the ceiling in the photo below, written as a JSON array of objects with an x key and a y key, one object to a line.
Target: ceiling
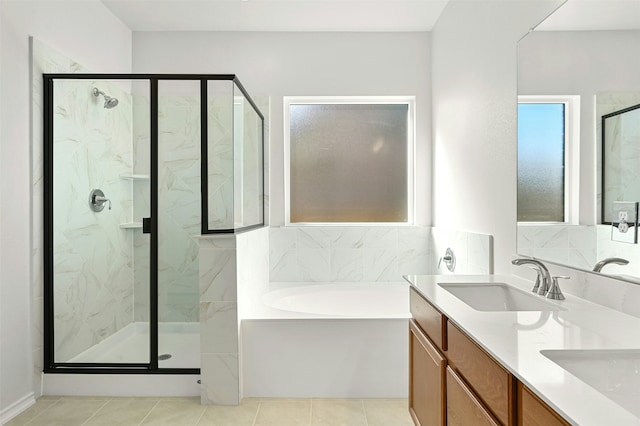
[
  {"x": 580, "y": 15},
  {"x": 277, "y": 15},
  {"x": 344, "y": 15}
]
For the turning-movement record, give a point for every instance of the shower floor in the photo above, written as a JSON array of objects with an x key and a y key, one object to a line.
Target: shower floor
[{"x": 131, "y": 345}]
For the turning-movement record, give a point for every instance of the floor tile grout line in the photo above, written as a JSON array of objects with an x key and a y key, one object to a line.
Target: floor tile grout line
[
  {"x": 255, "y": 417},
  {"x": 201, "y": 414},
  {"x": 43, "y": 411},
  {"x": 364, "y": 409},
  {"x": 152, "y": 408},
  {"x": 96, "y": 412}
]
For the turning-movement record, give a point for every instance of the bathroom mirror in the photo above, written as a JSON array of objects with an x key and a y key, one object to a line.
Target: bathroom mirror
[{"x": 586, "y": 51}]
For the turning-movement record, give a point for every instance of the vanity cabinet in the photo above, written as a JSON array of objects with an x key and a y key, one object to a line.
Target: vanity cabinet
[
  {"x": 453, "y": 381},
  {"x": 463, "y": 407},
  {"x": 494, "y": 385},
  {"x": 426, "y": 379},
  {"x": 535, "y": 412}
]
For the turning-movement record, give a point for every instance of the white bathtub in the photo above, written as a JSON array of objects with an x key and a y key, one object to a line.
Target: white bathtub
[{"x": 328, "y": 341}]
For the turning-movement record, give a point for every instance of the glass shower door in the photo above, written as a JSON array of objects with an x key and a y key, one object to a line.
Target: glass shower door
[
  {"x": 97, "y": 190},
  {"x": 179, "y": 222}
]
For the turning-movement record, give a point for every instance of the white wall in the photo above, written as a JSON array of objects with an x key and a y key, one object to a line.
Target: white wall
[
  {"x": 87, "y": 32},
  {"x": 279, "y": 64},
  {"x": 474, "y": 116},
  {"x": 580, "y": 63}
]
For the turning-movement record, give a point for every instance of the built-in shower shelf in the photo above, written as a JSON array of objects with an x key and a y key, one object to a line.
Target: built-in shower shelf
[
  {"x": 134, "y": 177},
  {"x": 131, "y": 225}
]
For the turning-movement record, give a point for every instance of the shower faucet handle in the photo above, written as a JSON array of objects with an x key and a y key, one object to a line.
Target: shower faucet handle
[
  {"x": 102, "y": 200},
  {"x": 97, "y": 200}
]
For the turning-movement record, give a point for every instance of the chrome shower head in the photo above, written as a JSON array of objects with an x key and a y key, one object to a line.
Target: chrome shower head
[{"x": 109, "y": 102}]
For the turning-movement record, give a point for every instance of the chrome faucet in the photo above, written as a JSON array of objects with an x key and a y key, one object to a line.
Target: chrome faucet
[
  {"x": 543, "y": 280},
  {"x": 603, "y": 262}
]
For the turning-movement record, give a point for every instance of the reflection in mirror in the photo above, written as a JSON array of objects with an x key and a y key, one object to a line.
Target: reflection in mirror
[
  {"x": 576, "y": 54},
  {"x": 620, "y": 160}
]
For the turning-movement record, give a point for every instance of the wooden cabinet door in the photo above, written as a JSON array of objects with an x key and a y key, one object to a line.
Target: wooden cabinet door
[
  {"x": 427, "y": 369},
  {"x": 432, "y": 322},
  {"x": 463, "y": 406},
  {"x": 532, "y": 411},
  {"x": 490, "y": 381}
]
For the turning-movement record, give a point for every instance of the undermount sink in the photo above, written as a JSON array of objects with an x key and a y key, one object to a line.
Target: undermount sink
[
  {"x": 614, "y": 373},
  {"x": 498, "y": 297}
]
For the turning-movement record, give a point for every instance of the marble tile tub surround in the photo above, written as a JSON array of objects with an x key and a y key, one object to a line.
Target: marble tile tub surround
[
  {"x": 473, "y": 251},
  {"x": 348, "y": 254},
  {"x": 371, "y": 253}
]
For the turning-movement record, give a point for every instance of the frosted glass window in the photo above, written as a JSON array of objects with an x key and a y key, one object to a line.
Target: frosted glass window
[
  {"x": 541, "y": 162},
  {"x": 349, "y": 162}
]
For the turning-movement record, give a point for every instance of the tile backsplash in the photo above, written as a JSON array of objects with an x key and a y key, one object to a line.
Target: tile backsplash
[{"x": 569, "y": 244}]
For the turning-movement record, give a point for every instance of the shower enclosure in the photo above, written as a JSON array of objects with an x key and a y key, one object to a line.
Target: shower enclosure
[{"x": 136, "y": 169}]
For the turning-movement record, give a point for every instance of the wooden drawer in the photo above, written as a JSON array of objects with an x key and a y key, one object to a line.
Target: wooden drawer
[
  {"x": 532, "y": 411},
  {"x": 493, "y": 385},
  {"x": 433, "y": 323},
  {"x": 463, "y": 408},
  {"x": 426, "y": 379}
]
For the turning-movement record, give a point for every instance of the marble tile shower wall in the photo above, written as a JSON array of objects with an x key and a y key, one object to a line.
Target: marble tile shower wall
[
  {"x": 606, "y": 103},
  {"x": 348, "y": 254},
  {"x": 220, "y": 161},
  {"x": 574, "y": 245},
  {"x": 93, "y": 269},
  {"x": 178, "y": 207}
]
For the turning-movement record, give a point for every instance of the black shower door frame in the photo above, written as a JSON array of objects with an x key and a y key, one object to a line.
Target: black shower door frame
[{"x": 50, "y": 365}]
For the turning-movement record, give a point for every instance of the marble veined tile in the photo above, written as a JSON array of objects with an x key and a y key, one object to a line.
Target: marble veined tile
[
  {"x": 220, "y": 379},
  {"x": 414, "y": 237},
  {"x": 381, "y": 237},
  {"x": 313, "y": 238},
  {"x": 284, "y": 266},
  {"x": 315, "y": 264},
  {"x": 347, "y": 237},
  {"x": 282, "y": 238},
  {"x": 219, "y": 327},
  {"x": 381, "y": 265},
  {"x": 218, "y": 275},
  {"x": 347, "y": 264},
  {"x": 414, "y": 261}
]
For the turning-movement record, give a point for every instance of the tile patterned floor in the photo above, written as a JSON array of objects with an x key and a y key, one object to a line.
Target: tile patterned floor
[{"x": 71, "y": 411}]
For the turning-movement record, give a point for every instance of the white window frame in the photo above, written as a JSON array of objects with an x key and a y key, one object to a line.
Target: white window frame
[
  {"x": 571, "y": 153},
  {"x": 345, "y": 100}
]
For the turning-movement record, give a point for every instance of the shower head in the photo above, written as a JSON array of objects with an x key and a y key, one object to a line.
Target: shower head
[{"x": 109, "y": 102}]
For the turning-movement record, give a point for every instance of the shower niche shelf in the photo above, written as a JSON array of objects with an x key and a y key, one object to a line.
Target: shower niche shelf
[
  {"x": 134, "y": 176},
  {"x": 131, "y": 225}
]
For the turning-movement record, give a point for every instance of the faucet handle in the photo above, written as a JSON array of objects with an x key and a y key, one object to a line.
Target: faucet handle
[
  {"x": 536, "y": 286},
  {"x": 554, "y": 292}
]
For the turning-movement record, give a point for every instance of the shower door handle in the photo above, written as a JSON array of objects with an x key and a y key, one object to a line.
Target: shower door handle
[{"x": 146, "y": 225}]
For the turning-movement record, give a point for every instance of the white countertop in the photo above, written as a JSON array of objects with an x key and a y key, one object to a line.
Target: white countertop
[{"x": 515, "y": 339}]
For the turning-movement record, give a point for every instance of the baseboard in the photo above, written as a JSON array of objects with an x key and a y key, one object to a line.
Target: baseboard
[{"x": 16, "y": 408}]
